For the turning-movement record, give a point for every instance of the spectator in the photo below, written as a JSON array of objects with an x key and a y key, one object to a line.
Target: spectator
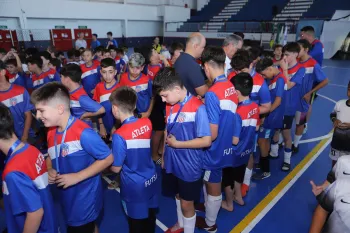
[
  {"x": 111, "y": 41},
  {"x": 80, "y": 42},
  {"x": 156, "y": 45},
  {"x": 317, "y": 48},
  {"x": 231, "y": 44},
  {"x": 95, "y": 43}
]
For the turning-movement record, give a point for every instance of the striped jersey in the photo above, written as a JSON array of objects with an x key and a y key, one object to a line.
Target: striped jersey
[
  {"x": 90, "y": 76},
  {"x": 293, "y": 95},
  {"x": 45, "y": 77}
]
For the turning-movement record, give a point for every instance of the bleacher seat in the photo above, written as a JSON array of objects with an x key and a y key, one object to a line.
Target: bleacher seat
[{"x": 324, "y": 9}]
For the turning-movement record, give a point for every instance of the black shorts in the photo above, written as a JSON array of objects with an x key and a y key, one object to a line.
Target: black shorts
[
  {"x": 86, "y": 228},
  {"x": 188, "y": 191},
  {"x": 288, "y": 122},
  {"x": 232, "y": 174},
  {"x": 157, "y": 116}
]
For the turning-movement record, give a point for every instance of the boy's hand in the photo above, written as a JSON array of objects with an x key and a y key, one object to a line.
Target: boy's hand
[
  {"x": 337, "y": 123},
  {"x": 67, "y": 180},
  {"x": 52, "y": 176},
  {"x": 283, "y": 64},
  {"x": 307, "y": 97},
  {"x": 316, "y": 189},
  {"x": 344, "y": 125},
  {"x": 103, "y": 132},
  {"x": 171, "y": 141},
  {"x": 24, "y": 138}
]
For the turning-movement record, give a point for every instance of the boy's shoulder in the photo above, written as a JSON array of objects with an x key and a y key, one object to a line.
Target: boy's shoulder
[
  {"x": 258, "y": 79},
  {"x": 141, "y": 128},
  {"x": 50, "y": 72},
  {"x": 250, "y": 110},
  {"x": 74, "y": 130}
]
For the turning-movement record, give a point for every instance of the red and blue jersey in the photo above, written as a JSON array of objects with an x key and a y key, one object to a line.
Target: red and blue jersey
[
  {"x": 17, "y": 78},
  {"x": 101, "y": 95},
  {"x": 119, "y": 64},
  {"x": 292, "y": 97},
  {"x": 45, "y": 77},
  {"x": 152, "y": 70},
  {"x": 90, "y": 76},
  {"x": 221, "y": 103},
  {"x": 317, "y": 51},
  {"x": 25, "y": 188},
  {"x": 245, "y": 130},
  {"x": 17, "y": 99},
  {"x": 132, "y": 151},
  {"x": 313, "y": 74},
  {"x": 82, "y": 146},
  {"x": 274, "y": 60},
  {"x": 81, "y": 103},
  {"x": 143, "y": 87},
  {"x": 192, "y": 122},
  {"x": 277, "y": 87}
]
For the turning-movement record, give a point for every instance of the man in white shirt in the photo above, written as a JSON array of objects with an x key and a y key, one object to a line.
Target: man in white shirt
[
  {"x": 80, "y": 42},
  {"x": 231, "y": 44}
]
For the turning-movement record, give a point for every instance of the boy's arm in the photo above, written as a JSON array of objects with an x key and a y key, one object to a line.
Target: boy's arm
[
  {"x": 320, "y": 78},
  {"x": 237, "y": 128},
  {"x": 33, "y": 221},
  {"x": 19, "y": 63},
  {"x": 318, "y": 220},
  {"x": 196, "y": 143},
  {"x": 92, "y": 114},
  {"x": 212, "y": 105},
  {"x": 149, "y": 111},
  {"x": 265, "y": 99},
  {"x": 119, "y": 150},
  {"x": 91, "y": 107},
  {"x": 103, "y": 132},
  {"x": 276, "y": 103},
  {"x": 27, "y": 123}
]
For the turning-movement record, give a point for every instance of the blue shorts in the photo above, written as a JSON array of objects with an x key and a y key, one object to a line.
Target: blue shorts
[
  {"x": 213, "y": 176},
  {"x": 140, "y": 210},
  {"x": 265, "y": 133}
]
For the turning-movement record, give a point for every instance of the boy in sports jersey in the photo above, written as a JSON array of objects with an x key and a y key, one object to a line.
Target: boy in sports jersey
[
  {"x": 295, "y": 74},
  {"x": 274, "y": 119},
  {"x": 141, "y": 83},
  {"x": 221, "y": 102},
  {"x": 314, "y": 74},
  {"x": 77, "y": 156},
  {"x": 176, "y": 49},
  {"x": 244, "y": 131},
  {"x": 317, "y": 49},
  {"x": 90, "y": 72},
  {"x": 15, "y": 72},
  {"x": 132, "y": 158},
  {"x": 102, "y": 93},
  {"x": 119, "y": 61},
  {"x": 81, "y": 105},
  {"x": 17, "y": 99},
  {"x": 277, "y": 54},
  {"x": 187, "y": 134},
  {"x": 27, "y": 198}
]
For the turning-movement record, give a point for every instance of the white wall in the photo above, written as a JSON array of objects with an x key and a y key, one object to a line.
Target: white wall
[
  {"x": 12, "y": 23},
  {"x": 145, "y": 28}
]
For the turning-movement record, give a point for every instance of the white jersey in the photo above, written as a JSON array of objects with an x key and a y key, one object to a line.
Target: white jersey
[{"x": 343, "y": 111}]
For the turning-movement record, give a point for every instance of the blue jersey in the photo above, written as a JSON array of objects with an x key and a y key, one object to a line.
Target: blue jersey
[
  {"x": 18, "y": 79},
  {"x": 82, "y": 146},
  {"x": 25, "y": 189},
  {"x": 45, "y": 77},
  {"x": 192, "y": 122},
  {"x": 17, "y": 99},
  {"x": 292, "y": 97},
  {"x": 120, "y": 64},
  {"x": 317, "y": 51},
  {"x": 277, "y": 87},
  {"x": 221, "y": 103},
  {"x": 115, "y": 43},
  {"x": 132, "y": 152},
  {"x": 245, "y": 129},
  {"x": 95, "y": 44},
  {"x": 90, "y": 77}
]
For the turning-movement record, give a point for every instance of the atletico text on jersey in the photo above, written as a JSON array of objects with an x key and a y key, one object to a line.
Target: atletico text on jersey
[
  {"x": 119, "y": 64},
  {"x": 101, "y": 95},
  {"x": 17, "y": 78},
  {"x": 152, "y": 70},
  {"x": 45, "y": 77},
  {"x": 90, "y": 77},
  {"x": 221, "y": 103},
  {"x": 143, "y": 87},
  {"x": 82, "y": 146},
  {"x": 313, "y": 74},
  {"x": 317, "y": 51},
  {"x": 132, "y": 151},
  {"x": 277, "y": 87},
  {"x": 245, "y": 129},
  {"x": 25, "y": 189},
  {"x": 292, "y": 96},
  {"x": 192, "y": 122},
  {"x": 17, "y": 99}
]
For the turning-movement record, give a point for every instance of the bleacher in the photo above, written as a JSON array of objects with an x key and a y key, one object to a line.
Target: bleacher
[{"x": 324, "y": 9}]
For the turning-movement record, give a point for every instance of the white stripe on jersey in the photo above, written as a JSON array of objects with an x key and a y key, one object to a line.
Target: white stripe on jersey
[
  {"x": 272, "y": 86},
  {"x": 309, "y": 70},
  {"x": 42, "y": 181},
  {"x": 73, "y": 146},
  {"x": 87, "y": 73},
  {"x": 105, "y": 97},
  {"x": 256, "y": 88},
  {"x": 51, "y": 76},
  {"x": 12, "y": 80},
  {"x": 38, "y": 82},
  {"x": 13, "y": 101},
  {"x": 138, "y": 143},
  {"x": 183, "y": 117},
  {"x": 74, "y": 104},
  {"x": 228, "y": 105},
  {"x": 5, "y": 190},
  {"x": 249, "y": 122},
  {"x": 141, "y": 87}
]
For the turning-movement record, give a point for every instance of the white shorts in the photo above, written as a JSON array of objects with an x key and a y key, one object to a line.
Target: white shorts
[{"x": 335, "y": 154}]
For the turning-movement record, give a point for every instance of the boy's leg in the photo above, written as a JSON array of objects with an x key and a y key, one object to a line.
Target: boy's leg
[
  {"x": 264, "y": 143},
  {"x": 300, "y": 120},
  {"x": 152, "y": 220},
  {"x": 156, "y": 141},
  {"x": 238, "y": 178},
  {"x": 287, "y": 135},
  {"x": 274, "y": 145},
  {"x": 86, "y": 228},
  {"x": 138, "y": 225},
  {"x": 227, "y": 184},
  {"x": 249, "y": 170}
]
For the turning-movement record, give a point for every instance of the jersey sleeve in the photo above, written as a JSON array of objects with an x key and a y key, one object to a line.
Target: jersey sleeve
[
  {"x": 96, "y": 96},
  {"x": 27, "y": 104},
  {"x": 298, "y": 76},
  {"x": 149, "y": 88},
  {"x": 88, "y": 104},
  {"x": 119, "y": 150},
  {"x": 57, "y": 77},
  {"x": 94, "y": 145},
  {"x": 23, "y": 195},
  {"x": 202, "y": 122},
  {"x": 316, "y": 50},
  {"x": 280, "y": 87},
  {"x": 212, "y": 106},
  {"x": 319, "y": 74},
  {"x": 237, "y": 126},
  {"x": 264, "y": 94}
]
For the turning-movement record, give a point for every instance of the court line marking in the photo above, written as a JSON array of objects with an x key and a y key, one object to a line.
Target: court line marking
[
  {"x": 336, "y": 85},
  {"x": 336, "y": 67},
  {"x": 266, "y": 204},
  {"x": 316, "y": 139},
  {"x": 327, "y": 98},
  {"x": 159, "y": 223}
]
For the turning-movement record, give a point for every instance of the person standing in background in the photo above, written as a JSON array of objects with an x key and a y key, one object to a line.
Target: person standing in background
[
  {"x": 317, "y": 48},
  {"x": 95, "y": 43},
  {"x": 156, "y": 45},
  {"x": 111, "y": 40},
  {"x": 230, "y": 46},
  {"x": 80, "y": 42}
]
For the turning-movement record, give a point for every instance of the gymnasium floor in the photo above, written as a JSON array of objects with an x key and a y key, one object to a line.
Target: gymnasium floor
[{"x": 282, "y": 203}]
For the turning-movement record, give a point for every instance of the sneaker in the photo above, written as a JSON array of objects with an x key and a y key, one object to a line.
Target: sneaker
[
  {"x": 201, "y": 224},
  {"x": 199, "y": 207},
  {"x": 286, "y": 167},
  {"x": 244, "y": 189},
  {"x": 261, "y": 176},
  {"x": 178, "y": 229},
  {"x": 295, "y": 150},
  {"x": 305, "y": 129}
]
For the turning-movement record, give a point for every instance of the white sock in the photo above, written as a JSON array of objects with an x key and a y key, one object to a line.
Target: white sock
[
  {"x": 247, "y": 176},
  {"x": 297, "y": 140},
  {"x": 212, "y": 209},
  {"x": 287, "y": 156},
  {"x": 205, "y": 194},
  {"x": 189, "y": 224},
  {"x": 280, "y": 140},
  {"x": 180, "y": 217},
  {"x": 274, "y": 150}
]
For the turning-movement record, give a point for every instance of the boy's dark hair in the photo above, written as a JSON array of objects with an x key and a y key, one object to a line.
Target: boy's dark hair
[
  {"x": 71, "y": 53},
  {"x": 243, "y": 82},
  {"x": 3, "y": 51},
  {"x": 166, "y": 79},
  {"x": 2, "y": 65},
  {"x": 112, "y": 47},
  {"x": 88, "y": 50},
  {"x": 305, "y": 44},
  {"x": 124, "y": 98},
  {"x": 109, "y": 34},
  {"x": 308, "y": 29},
  {"x": 72, "y": 71},
  {"x": 35, "y": 60},
  {"x": 241, "y": 60},
  {"x": 254, "y": 52},
  {"x": 214, "y": 56},
  {"x": 263, "y": 64},
  {"x": 31, "y": 51},
  {"x": 99, "y": 49},
  {"x": 107, "y": 62},
  {"x": 6, "y": 122},
  {"x": 77, "y": 53},
  {"x": 56, "y": 62},
  {"x": 292, "y": 47},
  {"x": 277, "y": 46},
  {"x": 45, "y": 54},
  {"x": 59, "y": 53},
  {"x": 11, "y": 62},
  {"x": 95, "y": 35},
  {"x": 120, "y": 51},
  {"x": 176, "y": 46},
  {"x": 50, "y": 91}
]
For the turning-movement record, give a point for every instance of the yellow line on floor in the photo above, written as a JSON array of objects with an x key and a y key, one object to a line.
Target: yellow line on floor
[{"x": 253, "y": 213}]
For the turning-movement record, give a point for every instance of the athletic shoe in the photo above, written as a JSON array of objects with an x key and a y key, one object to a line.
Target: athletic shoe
[
  {"x": 286, "y": 167},
  {"x": 179, "y": 230},
  {"x": 201, "y": 224},
  {"x": 295, "y": 150},
  {"x": 244, "y": 189},
  {"x": 261, "y": 175}
]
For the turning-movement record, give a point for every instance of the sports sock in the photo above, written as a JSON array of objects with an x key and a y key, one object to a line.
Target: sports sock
[
  {"x": 189, "y": 224},
  {"x": 280, "y": 139},
  {"x": 265, "y": 164},
  {"x": 274, "y": 149},
  {"x": 287, "y": 155},
  {"x": 205, "y": 194},
  {"x": 212, "y": 209},
  {"x": 247, "y": 176},
  {"x": 180, "y": 217},
  {"x": 297, "y": 140}
]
